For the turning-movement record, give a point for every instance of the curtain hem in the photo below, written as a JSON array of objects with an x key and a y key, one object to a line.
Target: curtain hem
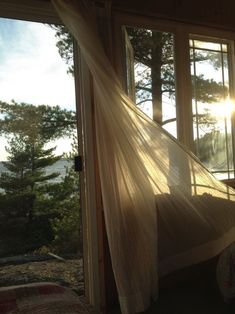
[{"x": 196, "y": 255}]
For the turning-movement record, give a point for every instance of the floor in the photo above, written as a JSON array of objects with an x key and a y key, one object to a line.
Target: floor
[
  {"x": 198, "y": 295},
  {"x": 192, "y": 300}
]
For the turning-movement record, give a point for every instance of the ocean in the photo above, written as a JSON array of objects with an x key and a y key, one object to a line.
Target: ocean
[{"x": 59, "y": 166}]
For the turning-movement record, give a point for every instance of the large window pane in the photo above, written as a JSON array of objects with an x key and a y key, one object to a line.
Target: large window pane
[
  {"x": 154, "y": 75},
  {"x": 39, "y": 189},
  {"x": 212, "y": 108}
]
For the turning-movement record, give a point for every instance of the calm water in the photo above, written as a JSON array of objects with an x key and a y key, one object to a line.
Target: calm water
[{"x": 59, "y": 166}]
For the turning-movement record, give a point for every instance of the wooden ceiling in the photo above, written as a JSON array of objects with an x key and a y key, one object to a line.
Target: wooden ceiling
[
  {"x": 210, "y": 12},
  {"x": 218, "y": 13}
]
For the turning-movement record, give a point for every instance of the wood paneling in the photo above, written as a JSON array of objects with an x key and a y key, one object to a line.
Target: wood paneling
[{"x": 218, "y": 13}]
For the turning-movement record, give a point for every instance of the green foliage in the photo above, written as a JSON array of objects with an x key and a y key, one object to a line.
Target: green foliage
[
  {"x": 38, "y": 123},
  {"x": 67, "y": 229},
  {"x": 20, "y": 237},
  {"x": 64, "y": 45},
  {"x": 155, "y": 51},
  {"x": 26, "y": 171},
  {"x": 208, "y": 90},
  {"x": 18, "y": 205},
  {"x": 49, "y": 212},
  {"x": 67, "y": 225}
]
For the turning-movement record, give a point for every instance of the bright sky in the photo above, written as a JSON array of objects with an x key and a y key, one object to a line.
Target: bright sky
[{"x": 31, "y": 69}]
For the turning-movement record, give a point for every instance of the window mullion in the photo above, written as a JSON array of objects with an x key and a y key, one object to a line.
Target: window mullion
[
  {"x": 225, "y": 118},
  {"x": 183, "y": 89},
  {"x": 231, "y": 65}
]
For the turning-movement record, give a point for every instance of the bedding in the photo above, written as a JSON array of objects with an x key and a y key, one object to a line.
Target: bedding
[
  {"x": 225, "y": 273},
  {"x": 40, "y": 298}
]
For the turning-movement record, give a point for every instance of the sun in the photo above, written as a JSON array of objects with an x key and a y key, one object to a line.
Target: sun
[{"x": 224, "y": 109}]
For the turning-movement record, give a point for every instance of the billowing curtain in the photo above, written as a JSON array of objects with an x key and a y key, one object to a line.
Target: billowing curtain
[{"x": 163, "y": 209}]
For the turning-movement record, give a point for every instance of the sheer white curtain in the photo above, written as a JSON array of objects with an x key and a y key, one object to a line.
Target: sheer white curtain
[{"x": 163, "y": 209}]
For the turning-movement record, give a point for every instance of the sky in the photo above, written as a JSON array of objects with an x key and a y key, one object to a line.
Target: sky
[{"x": 31, "y": 69}]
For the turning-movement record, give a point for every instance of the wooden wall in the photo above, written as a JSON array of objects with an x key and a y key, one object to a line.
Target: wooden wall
[{"x": 217, "y": 13}]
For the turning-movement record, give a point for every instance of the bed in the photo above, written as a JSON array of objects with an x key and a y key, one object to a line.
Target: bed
[{"x": 41, "y": 298}]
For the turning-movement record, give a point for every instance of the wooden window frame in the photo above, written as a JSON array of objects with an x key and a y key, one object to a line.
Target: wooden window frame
[
  {"x": 182, "y": 32},
  {"x": 42, "y": 11}
]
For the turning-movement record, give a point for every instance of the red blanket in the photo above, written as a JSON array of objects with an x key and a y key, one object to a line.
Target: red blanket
[{"x": 40, "y": 298}]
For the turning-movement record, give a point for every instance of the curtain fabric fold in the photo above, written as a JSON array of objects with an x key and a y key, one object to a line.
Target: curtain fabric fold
[{"x": 163, "y": 210}]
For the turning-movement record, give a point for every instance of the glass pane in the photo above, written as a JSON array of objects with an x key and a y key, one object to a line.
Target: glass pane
[
  {"x": 154, "y": 75},
  {"x": 212, "y": 108},
  {"x": 39, "y": 197},
  {"x": 225, "y": 47},
  {"x": 205, "y": 45}
]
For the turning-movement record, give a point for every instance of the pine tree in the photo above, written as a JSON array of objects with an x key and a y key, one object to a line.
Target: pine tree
[
  {"x": 25, "y": 173},
  {"x": 67, "y": 225},
  {"x": 28, "y": 197},
  {"x": 154, "y": 51}
]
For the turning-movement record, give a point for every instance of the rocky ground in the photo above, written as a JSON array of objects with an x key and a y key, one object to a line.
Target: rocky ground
[{"x": 68, "y": 273}]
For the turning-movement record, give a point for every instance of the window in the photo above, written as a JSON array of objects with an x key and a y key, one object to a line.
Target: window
[
  {"x": 154, "y": 74},
  {"x": 211, "y": 105},
  {"x": 184, "y": 81},
  {"x": 39, "y": 189},
  {"x": 43, "y": 11}
]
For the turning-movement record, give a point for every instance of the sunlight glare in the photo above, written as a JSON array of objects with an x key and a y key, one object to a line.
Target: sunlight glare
[{"x": 224, "y": 109}]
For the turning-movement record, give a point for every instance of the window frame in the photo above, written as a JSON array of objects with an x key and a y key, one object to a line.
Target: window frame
[
  {"x": 230, "y": 45},
  {"x": 182, "y": 32},
  {"x": 42, "y": 11}
]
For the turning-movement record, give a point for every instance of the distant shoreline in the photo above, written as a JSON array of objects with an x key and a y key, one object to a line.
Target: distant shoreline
[{"x": 58, "y": 166}]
